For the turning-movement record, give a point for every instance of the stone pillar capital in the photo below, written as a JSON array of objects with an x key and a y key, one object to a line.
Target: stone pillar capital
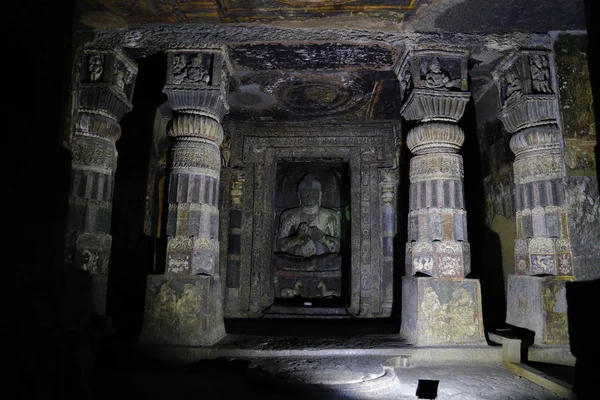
[
  {"x": 434, "y": 84},
  {"x": 527, "y": 93},
  {"x": 105, "y": 92},
  {"x": 197, "y": 82}
]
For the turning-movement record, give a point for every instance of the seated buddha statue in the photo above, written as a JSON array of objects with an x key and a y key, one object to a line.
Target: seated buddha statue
[{"x": 309, "y": 229}]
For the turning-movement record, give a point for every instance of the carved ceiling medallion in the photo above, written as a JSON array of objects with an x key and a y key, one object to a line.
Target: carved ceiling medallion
[{"x": 319, "y": 97}]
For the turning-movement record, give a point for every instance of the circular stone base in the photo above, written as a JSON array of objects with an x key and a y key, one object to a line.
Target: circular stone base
[{"x": 358, "y": 375}]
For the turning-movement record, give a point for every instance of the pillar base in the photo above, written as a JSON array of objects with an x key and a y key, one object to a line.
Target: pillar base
[
  {"x": 540, "y": 305},
  {"x": 186, "y": 311},
  {"x": 441, "y": 311}
]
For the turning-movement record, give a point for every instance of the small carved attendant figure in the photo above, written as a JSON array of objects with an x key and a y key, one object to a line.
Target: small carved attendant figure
[
  {"x": 225, "y": 152},
  {"x": 310, "y": 229},
  {"x": 540, "y": 75},
  {"x": 406, "y": 83},
  {"x": 514, "y": 84},
  {"x": 122, "y": 78},
  {"x": 95, "y": 67},
  {"x": 436, "y": 78}
]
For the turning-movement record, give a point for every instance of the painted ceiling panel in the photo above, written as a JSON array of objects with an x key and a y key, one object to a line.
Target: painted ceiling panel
[{"x": 245, "y": 10}]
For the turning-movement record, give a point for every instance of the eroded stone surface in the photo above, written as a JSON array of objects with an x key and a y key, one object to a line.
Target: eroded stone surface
[
  {"x": 441, "y": 311},
  {"x": 184, "y": 311},
  {"x": 584, "y": 213},
  {"x": 540, "y": 305}
]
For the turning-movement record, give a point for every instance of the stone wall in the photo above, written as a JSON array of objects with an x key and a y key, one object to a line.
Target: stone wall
[{"x": 579, "y": 132}]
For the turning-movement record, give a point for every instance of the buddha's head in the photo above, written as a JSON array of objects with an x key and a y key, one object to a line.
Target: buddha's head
[{"x": 309, "y": 191}]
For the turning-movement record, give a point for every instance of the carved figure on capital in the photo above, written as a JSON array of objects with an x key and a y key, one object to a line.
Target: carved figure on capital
[
  {"x": 540, "y": 73},
  {"x": 190, "y": 69},
  {"x": 437, "y": 78},
  {"x": 406, "y": 82},
  {"x": 513, "y": 84},
  {"x": 96, "y": 66},
  {"x": 123, "y": 77}
]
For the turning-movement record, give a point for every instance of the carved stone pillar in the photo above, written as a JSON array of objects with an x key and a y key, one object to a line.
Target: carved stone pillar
[
  {"x": 105, "y": 91},
  {"x": 543, "y": 261},
  {"x": 184, "y": 306},
  {"x": 435, "y": 91}
]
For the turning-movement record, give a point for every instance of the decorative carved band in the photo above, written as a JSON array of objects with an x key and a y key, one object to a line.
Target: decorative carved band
[
  {"x": 197, "y": 126},
  {"x": 88, "y": 251},
  {"x": 534, "y": 138},
  {"x": 192, "y": 154},
  {"x": 97, "y": 123},
  {"x": 445, "y": 259},
  {"x": 208, "y": 101},
  {"x": 543, "y": 256},
  {"x": 538, "y": 167},
  {"x": 93, "y": 151},
  {"x": 436, "y": 166},
  {"x": 99, "y": 96},
  {"x": 435, "y": 137},
  {"x": 529, "y": 110},
  {"x": 435, "y": 105}
]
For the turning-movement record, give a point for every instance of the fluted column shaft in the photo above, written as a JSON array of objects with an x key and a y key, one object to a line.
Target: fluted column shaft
[
  {"x": 437, "y": 219},
  {"x": 193, "y": 219},
  {"x": 104, "y": 97}
]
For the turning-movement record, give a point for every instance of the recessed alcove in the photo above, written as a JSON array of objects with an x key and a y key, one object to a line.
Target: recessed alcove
[{"x": 321, "y": 274}]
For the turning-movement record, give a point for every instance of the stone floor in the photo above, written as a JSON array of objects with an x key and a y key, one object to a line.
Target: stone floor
[
  {"x": 359, "y": 377},
  {"x": 354, "y": 361}
]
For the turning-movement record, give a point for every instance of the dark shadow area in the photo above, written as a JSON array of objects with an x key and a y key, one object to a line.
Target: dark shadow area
[
  {"x": 583, "y": 337},
  {"x": 486, "y": 252},
  {"x": 132, "y": 257},
  {"x": 402, "y": 210},
  {"x": 564, "y": 373},
  {"x": 48, "y": 322},
  {"x": 427, "y": 389},
  {"x": 312, "y": 327},
  {"x": 143, "y": 377}
]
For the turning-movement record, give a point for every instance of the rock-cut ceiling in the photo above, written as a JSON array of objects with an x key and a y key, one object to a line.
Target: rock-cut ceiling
[
  {"x": 315, "y": 58},
  {"x": 271, "y": 80}
]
